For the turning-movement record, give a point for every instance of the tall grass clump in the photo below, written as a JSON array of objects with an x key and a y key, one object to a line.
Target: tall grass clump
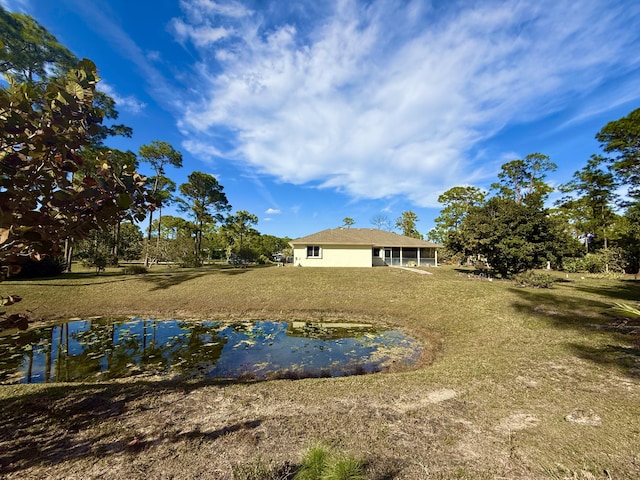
[{"x": 321, "y": 463}]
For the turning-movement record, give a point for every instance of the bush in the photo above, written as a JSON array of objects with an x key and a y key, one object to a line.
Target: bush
[
  {"x": 534, "y": 279},
  {"x": 135, "y": 270},
  {"x": 610, "y": 260},
  {"x": 47, "y": 267},
  {"x": 574, "y": 265},
  {"x": 191, "y": 260},
  {"x": 263, "y": 260}
]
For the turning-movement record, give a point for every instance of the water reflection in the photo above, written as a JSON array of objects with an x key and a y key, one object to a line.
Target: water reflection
[{"x": 96, "y": 349}]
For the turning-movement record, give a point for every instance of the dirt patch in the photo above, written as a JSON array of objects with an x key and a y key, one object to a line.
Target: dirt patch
[
  {"x": 435, "y": 396},
  {"x": 584, "y": 417},
  {"x": 518, "y": 421}
]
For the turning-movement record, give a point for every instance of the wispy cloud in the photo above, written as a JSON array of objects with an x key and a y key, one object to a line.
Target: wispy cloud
[
  {"x": 272, "y": 211},
  {"x": 128, "y": 102},
  {"x": 377, "y": 99},
  {"x": 203, "y": 150},
  {"x": 14, "y": 5},
  {"x": 100, "y": 16}
]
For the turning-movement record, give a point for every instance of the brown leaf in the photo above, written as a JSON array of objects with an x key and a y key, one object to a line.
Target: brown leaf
[{"x": 4, "y": 234}]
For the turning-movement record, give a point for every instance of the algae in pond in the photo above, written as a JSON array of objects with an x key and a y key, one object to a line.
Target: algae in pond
[{"x": 87, "y": 350}]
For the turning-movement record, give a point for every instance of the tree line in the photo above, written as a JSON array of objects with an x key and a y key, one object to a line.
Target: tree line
[{"x": 591, "y": 228}]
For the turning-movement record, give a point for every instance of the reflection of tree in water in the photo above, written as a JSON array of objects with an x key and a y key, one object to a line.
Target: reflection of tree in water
[
  {"x": 201, "y": 347},
  {"x": 102, "y": 350},
  {"x": 153, "y": 346},
  {"x": 88, "y": 349},
  {"x": 13, "y": 351}
]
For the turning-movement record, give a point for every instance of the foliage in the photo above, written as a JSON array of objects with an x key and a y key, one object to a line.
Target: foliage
[
  {"x": 406, "y": 223},
  {"x": 190, "y": 260},
  {"x": 237, "y": 228},
  {"x": 622, "y": 137},
  {"x": 96, "y": 250},
  {"x": 629, "y": 229},
  {"x": 130, "y": 243},
  {"x": 28, "y": 52},
  {"x": 524, "y": 179},
  {"x": 574, "y": 264},
  {"x": 204, "y": 200},
  {"x": 606, "y": 260},
  {"x": 348, "y": 222},
  {"x": 158, "y": 154},
  {"x": 49, "y": 266},
  {"x": 513, "y": 237},
  {"x": 626, "y": 310},
  {"x": 534, "y": 279},
  {"x": 40, "y": 203},
  {"x": 589, "y": 205},
  {"x": 135, "y": 270},
  {"x": 457, "y": 202}
]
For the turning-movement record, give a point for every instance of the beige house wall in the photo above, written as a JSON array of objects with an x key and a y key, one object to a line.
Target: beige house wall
[{"x": 334, "y": 256}]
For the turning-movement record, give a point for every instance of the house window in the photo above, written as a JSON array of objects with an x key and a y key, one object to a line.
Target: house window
[{"x": 313, "y": 251}]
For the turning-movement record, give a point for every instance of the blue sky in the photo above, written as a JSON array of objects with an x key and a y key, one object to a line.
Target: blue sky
[{"x": 311, "y": 111}]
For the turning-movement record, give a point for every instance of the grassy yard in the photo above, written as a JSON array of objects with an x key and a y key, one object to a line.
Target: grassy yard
[{"x": 514, "y": 383}]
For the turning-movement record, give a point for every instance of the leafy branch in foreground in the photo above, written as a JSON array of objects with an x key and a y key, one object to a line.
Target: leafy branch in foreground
[
  {"x": 44, "y": 198},
  {"x": 626, "y": 310}
]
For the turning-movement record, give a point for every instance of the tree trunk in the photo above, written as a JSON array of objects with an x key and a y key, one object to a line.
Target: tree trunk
[
  {"x": 68, "y": 254},
  {"x": 116, "y": 239},
  {"x": 148, "y": 242},
  {"x": 159, "y": 224}
]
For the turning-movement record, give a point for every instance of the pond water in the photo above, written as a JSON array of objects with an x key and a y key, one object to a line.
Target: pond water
[{"x": 98, "y": 349}]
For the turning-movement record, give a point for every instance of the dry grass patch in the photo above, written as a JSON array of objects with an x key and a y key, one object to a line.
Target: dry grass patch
[{"x": 507, "y": 370}]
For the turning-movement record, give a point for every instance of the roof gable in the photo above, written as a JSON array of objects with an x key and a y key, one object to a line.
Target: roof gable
[{"x": 361, "y": 236}]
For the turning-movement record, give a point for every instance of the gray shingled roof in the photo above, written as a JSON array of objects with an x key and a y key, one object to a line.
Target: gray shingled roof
[{"x": 361, "y": 236}]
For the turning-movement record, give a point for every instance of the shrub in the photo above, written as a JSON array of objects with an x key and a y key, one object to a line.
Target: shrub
[
  {"x": 191, "y": 260},
  {"x": 534, "y": 279},
  {"x": 135, "y": 270},
  {"x": 47, "y": 267},
  {"x": 609, "y": 260},
  {"x": 574, "y": 265}
]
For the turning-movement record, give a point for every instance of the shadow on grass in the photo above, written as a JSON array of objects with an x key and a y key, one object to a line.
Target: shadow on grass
[
  {"x": 161, "y": 280},
  {"x": 623, "y": 290},
  {"x": 620, "y": 344},
  {"x": 73, "y": 279},
  {"x": 60, "y": 423}
]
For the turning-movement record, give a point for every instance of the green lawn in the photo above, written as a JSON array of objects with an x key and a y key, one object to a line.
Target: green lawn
[{"x": 514, "y": 383}]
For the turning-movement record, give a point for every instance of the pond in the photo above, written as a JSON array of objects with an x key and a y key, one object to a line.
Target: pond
[{"x": 99, "y": 349}]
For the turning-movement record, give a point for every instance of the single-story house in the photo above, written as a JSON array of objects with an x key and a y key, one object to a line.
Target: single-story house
[{"x": 362, "y": 247}]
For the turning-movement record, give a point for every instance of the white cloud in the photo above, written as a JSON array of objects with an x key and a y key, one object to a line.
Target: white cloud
[
  {"x": 378, "y": 100},
  {"x": 201, "y": 35},
  {"x": 196, "y": 8},
  {"x": 272, "y": 211},
  {"x": 201, "y": 149},
  {"x": 129, "y": 103}
]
